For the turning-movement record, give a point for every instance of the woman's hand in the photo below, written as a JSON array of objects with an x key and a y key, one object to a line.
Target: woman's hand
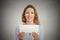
[
  {"x": 35, "y": 36},
  {"x": 21, "y": 35}
]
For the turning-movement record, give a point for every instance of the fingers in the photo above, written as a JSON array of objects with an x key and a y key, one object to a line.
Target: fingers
[
  {"x": 21, "y": 35},
  {"x": 35, "y": 35}
]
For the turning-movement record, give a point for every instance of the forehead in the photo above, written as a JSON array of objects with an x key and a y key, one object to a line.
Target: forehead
[{"x": 29, "y": 9}]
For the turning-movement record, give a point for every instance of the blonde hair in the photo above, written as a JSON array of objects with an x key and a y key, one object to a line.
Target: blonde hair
[{"x": 36, "y": 21}]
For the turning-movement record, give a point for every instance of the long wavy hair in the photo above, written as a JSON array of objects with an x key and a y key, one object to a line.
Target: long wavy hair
[{"x": 36, "y": 21}]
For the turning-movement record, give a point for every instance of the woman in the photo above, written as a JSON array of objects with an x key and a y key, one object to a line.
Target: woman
[{"x": 29, "y": 17}]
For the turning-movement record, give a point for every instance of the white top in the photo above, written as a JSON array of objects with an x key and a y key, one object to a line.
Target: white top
[{"x": 28, "y": 37}]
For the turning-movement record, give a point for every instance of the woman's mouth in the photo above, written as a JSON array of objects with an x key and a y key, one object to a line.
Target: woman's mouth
[{"x": 29, "y": 17}]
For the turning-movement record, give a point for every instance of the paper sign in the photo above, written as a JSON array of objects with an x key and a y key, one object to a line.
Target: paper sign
[{"x": 29, "y": 28}]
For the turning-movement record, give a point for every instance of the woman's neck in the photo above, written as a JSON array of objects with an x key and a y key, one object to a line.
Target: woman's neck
[{"x": 29, "y": 22}]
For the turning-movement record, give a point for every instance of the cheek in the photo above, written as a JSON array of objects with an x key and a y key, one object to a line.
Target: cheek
[
  {"x": 26, "y": 15},
  {"x": 32, "y": 16}
]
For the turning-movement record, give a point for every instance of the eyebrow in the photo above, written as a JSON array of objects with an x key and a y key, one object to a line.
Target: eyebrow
[{"x": 27, "y": 12}]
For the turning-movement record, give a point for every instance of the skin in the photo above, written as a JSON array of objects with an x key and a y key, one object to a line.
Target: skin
[
  {"x": 29, "y": 14},
  {"x": 21, "y": 35}
]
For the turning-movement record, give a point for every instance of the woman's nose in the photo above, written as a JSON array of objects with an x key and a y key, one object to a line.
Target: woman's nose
[{"x": 29, "y": 14}]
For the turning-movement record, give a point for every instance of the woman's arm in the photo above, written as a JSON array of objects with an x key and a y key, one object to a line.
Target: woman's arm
[{"x": 17, "y": 31}]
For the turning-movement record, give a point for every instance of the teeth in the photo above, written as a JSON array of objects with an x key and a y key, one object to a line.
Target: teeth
[{"x": 29, "y": 17}]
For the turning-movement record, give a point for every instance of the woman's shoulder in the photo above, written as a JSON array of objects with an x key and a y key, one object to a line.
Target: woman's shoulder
[
  {"x": 20, "y": 24},
  {"x": 41, "y": 27}
]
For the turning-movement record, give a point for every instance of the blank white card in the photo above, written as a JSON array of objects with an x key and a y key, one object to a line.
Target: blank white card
[{"x": 29, "y": 28}]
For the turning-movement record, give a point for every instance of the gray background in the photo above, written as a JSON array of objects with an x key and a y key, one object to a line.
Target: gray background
[{"x": 11, "y": 11}]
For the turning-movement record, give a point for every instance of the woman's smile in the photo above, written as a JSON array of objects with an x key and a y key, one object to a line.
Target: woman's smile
[{"x": 29, "y": 17}]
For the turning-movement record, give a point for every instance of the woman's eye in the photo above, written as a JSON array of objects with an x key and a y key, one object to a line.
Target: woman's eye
[{"x": 32, "y": 13}]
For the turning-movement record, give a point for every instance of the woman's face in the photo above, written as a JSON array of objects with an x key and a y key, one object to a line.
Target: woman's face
[{"x": 29, "y": 14}]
